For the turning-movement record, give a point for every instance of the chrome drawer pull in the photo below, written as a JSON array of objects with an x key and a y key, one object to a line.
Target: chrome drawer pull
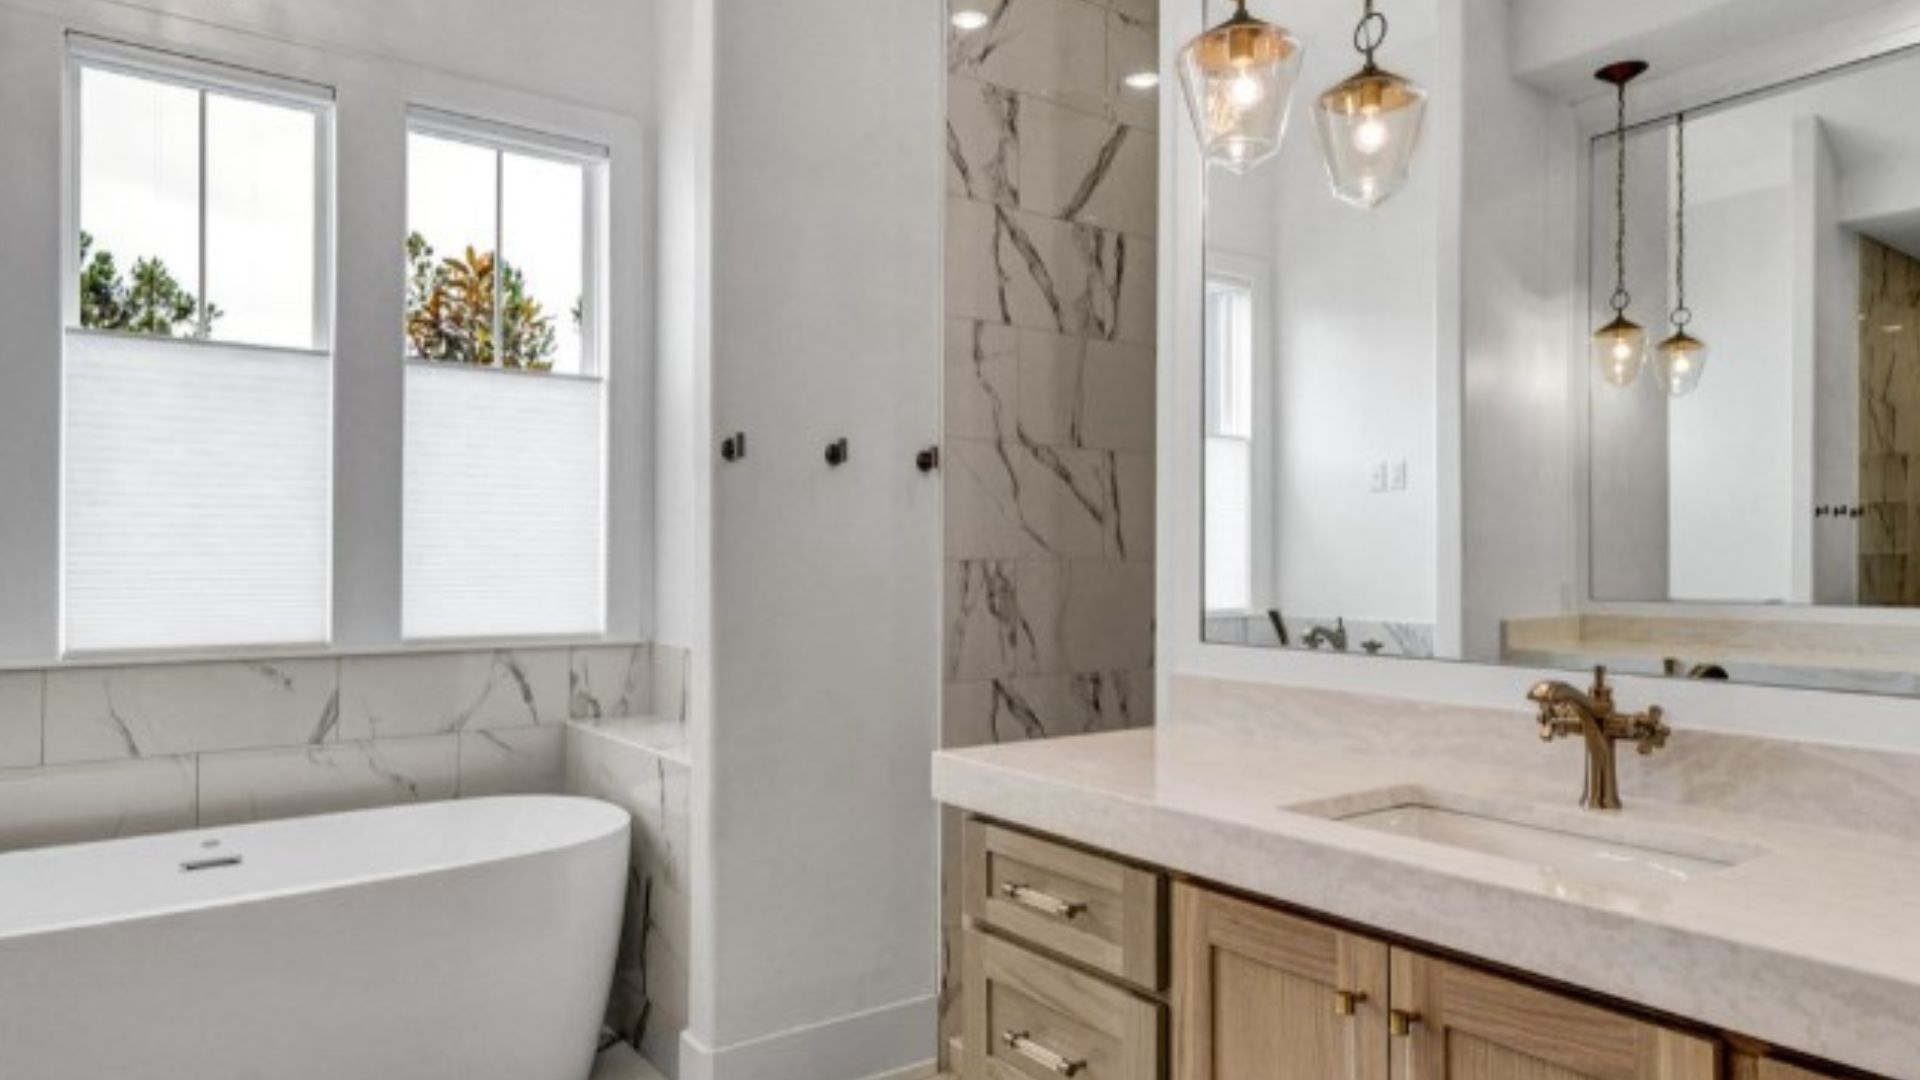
[
  {"x": 1052, "y": 1061},
  {"x": 1045, "y": 903}
]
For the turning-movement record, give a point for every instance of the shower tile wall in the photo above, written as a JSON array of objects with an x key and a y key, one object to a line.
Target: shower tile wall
[{"x": 1052, "y": 199}]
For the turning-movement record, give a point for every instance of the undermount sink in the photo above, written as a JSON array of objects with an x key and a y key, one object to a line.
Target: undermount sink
[{"x": 1572, "y": 847}]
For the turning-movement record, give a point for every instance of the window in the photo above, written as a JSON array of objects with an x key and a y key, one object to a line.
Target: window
[
  {"x": 197, "y": 425},
  {"x": 505, "y": 413},
  {"x": 1230, "y": 464}
]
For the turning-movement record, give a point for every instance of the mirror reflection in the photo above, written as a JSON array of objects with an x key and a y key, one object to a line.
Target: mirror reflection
[{"x": 1738, "y": 498}]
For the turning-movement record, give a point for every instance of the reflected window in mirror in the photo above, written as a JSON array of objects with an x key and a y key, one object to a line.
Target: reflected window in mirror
[{"x": 1230, "y": 446}]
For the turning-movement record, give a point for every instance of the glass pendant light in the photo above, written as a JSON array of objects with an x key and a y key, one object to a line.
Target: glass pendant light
[
  {"x": 1239, "y": 80},
  {"x": 1682, "y": 358},
  {"x": 1620, "y": 347},
  {"x": 1369, "y": 124}
]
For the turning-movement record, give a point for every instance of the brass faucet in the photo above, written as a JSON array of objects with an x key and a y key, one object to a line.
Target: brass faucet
[{"x": 1565, "y": 711}]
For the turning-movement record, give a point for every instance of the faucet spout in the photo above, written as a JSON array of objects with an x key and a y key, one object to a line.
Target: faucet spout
[{"x": 1565, "y": 711}]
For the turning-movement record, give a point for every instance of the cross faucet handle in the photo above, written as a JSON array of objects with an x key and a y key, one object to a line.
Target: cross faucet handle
[{"x": 1651, "y": 731}]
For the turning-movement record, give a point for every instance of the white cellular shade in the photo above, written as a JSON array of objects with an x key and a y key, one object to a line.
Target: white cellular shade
[
  {"x": 197, "y": 507},
  {"x": 505, "y": 504}
]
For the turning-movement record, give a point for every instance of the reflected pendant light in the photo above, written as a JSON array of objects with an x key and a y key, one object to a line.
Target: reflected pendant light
[
  {"x": 1369, "y": 124},
  {"x": 1620, "y": 347},
  {"x": 1682, "y": 358},
  {"x": 1239, "y": 80}
]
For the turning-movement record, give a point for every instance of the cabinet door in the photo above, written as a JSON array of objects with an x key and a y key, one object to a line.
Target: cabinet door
[
  {"x": 1261, "y": 995},
  {"x": 1466, "y": 1024}
]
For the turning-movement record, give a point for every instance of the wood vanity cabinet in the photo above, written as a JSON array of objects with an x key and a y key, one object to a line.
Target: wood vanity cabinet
[
  {"x": 1260, "y": 994},
  {"x": 1077, "y": 964}
]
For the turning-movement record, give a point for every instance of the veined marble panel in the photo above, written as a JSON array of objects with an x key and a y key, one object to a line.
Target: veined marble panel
[
  {"x": 1053, "y": 49},
  {"x": 108, "y": 713},
  {"x": 981, "y": 712},
  {"x": 20, "y": 700},
  {"x": 983, "y": 141},
  {"x": 1079, "y": 167},
  {"x": 672, "y": 684},
  {"x": 1027, "y": 270},
  {"x": 649, "y": 1006},
  {"x": 442, "y": 693},
  {"x": 73, "y": 804},
  {"x": 1003, "y": 618},
  {"x": 512, "y": 761},
  {"x": 1085, "y": 392},
  {"x": 611, "y": 682},
  {"x": 1133, "y": 45},
  {"x": 242, "y": 787},
  {"x": 1027, "y": 500},
  {"x": 982, "y": 379}
]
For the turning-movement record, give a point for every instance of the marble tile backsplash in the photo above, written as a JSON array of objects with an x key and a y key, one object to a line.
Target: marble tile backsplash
[
  {"x": 1049, "y": 374},
  {"x": 93, "y": 752}
]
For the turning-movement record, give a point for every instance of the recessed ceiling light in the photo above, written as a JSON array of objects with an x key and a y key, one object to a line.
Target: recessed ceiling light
[
  {"x": 969, "y": 20},
  {"x": 1892, "y": 328},
  {"x": 1142, "y": 80}
]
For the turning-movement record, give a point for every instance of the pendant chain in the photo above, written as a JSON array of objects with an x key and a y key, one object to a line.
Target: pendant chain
[
  {"x": 1621, "y": 298},
  {"x": 1681, "y": 314}
]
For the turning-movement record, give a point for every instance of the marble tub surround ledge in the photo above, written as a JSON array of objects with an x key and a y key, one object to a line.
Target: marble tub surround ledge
[
  {"x": 94, "y": 751},
  {"x": 1806, "y": 942}
]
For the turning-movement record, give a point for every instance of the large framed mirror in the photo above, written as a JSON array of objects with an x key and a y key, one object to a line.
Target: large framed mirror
[{"x": 1754, "y": 519}]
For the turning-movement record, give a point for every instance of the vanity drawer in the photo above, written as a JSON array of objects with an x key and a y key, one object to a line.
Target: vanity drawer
[
  {"x": 1094, "y": 910},
  {"x": 1033, "y": 1018}
]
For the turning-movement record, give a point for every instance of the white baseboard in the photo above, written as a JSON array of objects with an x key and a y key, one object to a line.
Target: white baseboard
[{"x": 895, "y": 1042}]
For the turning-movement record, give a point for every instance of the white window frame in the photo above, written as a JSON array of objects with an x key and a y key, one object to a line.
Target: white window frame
[
  {"x": 1255, "y": 276},
  {"x": 85, "y": 51},
  {"x": 594, "y": 162}
]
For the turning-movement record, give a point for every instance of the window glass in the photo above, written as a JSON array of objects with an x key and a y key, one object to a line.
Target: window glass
[
  {"x": 139, "y": 178},
  {"x": 452, "y": 215},
  {"x": 543, "y": 229},
  {"x": 262, "y": 205}
]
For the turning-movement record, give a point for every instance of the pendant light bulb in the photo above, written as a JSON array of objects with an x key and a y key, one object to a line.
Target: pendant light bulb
[
  {"x": 1680, "y": 361},
  {"x": 1620, "y": 351},
  {"x": 1369, "y": 125},
  {"x": 1682, "y": 358},
  {"x": 1619, "y": 348},
  {"x": 1238, "y": 78}
]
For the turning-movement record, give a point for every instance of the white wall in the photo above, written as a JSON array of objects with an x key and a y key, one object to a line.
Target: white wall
[
  {"x": 815, "y": 868},
  {"x": 1627, "y": 482},
  {"x": 1827, "y": 303},
  {"x": 1518, "y": 214},
  {"x": 1730, "y": 449},
  {"x": 499, "y": 60}
]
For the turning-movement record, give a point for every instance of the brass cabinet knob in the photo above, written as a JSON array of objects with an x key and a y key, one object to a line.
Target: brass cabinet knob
[
  {"x": 1346, "y": 1001},
  {"x": 1400, "y": 1022}
]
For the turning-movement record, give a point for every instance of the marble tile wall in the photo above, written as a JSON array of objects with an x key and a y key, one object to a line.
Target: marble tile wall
[
  {"x": 643, "y": 767},
  {"x": 1052, "y": 201},
  {"x": 94, "y": 752},
  {"x": 1889, "y": 426}
]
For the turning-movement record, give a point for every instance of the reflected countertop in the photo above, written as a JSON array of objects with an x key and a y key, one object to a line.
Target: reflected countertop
[{"x": 1811, "y": 941}]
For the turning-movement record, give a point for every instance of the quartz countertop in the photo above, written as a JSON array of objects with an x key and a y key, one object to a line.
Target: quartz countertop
[{"x": 1811, "y": 941}]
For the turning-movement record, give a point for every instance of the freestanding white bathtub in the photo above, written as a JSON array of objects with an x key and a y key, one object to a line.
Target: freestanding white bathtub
[{"x": 465, "y": 940}]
